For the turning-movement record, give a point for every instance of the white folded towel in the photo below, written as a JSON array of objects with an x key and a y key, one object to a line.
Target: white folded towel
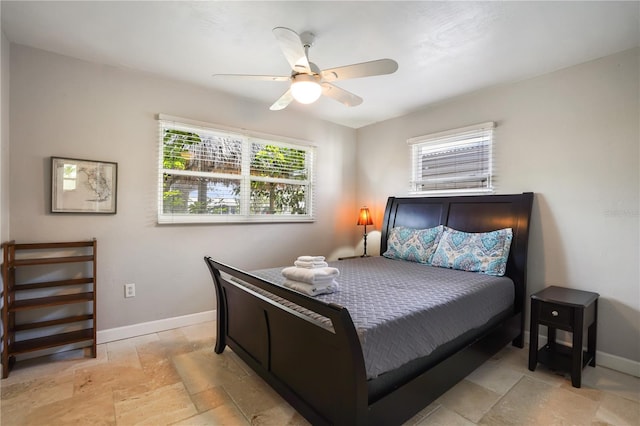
[
  {"x": 312, "y": 290},
  {"x": 311, "y": 258},
  {"x": 310, "y": 265},
  {"x": 311, "y": 276}
]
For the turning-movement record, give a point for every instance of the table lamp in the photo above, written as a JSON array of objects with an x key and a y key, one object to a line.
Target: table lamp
[{"x": 365, "y": 219}]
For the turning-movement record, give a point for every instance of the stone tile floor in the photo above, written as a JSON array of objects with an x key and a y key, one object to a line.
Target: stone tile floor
[{"x": 175, "y": 378}]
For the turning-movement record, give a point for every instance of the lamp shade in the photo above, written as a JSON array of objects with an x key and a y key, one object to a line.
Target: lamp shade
[
  {"x": 365, "y": 217},
  {"x": 305, "y": 88}
]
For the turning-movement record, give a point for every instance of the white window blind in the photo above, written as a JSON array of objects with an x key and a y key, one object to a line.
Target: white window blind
[
  {"x": 218, "y": 175},
  {"x": 458, "y": 160}
]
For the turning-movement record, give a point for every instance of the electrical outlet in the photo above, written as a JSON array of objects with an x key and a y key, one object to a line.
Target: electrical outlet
[{"x": 130, "y": 290}]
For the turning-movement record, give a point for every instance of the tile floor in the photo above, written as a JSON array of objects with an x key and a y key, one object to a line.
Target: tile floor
[{"x": 175, "y": 378}]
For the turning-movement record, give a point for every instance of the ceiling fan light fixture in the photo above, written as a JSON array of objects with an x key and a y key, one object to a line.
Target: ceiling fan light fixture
[{"x": 305, "y": 88}]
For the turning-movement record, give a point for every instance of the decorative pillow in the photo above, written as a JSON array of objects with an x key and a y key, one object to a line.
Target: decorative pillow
[
  {"x": 485, "y": 252},
  {"x": 414, "y": 245}
]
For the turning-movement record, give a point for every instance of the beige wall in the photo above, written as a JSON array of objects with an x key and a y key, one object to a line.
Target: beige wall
[
  {"x": 571, "y": 137},
  {"x": 4, "y": 137},
  {"x": 4, "y": 148},
  {"x": 65, "y": 107}
]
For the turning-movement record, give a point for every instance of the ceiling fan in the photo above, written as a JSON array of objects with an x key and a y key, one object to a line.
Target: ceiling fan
[{"x": 308, "y": 82}]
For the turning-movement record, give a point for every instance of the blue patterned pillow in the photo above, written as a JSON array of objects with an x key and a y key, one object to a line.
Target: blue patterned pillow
[
  {"x": 485, "y": 252},
  {"x": 414, "y": 245}
]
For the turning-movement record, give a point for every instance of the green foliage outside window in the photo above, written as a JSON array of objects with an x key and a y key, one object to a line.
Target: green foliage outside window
[{"x": 273, "y": 173}]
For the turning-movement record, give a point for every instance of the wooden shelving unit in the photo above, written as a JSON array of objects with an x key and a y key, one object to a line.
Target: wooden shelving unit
[{"x": 35, "y": 297}]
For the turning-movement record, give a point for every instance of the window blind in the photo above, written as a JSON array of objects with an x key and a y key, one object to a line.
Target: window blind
[
  {"x": 214, "y": 175},
  {"x": 458, "y": 160}
]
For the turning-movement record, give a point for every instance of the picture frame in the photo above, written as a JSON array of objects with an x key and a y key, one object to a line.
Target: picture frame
[{"x": 83, "y": 186}]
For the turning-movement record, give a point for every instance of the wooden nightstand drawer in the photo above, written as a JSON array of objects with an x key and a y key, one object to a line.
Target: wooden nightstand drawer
[{"x": 556, "y": 314}]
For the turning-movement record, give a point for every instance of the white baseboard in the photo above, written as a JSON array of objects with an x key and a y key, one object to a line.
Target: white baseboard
[
  {"x": 618, "y": 363},
  {"x": 603, "y": 359},
  {"x": 119, "y": 333}
]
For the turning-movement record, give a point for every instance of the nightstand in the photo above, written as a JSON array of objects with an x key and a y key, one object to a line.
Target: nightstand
[{"x": 570, "y": 310}]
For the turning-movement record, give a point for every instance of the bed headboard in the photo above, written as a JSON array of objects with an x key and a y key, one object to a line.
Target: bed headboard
[{"x": 479, "y": 213}]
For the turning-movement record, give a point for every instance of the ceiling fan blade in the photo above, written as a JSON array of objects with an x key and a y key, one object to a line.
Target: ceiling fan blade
[
  {"x": 340, "y": 95},
  {"x": 255, "y": 77},
  {"x": 292, "y": 48},
  {"x": 364, "y": 69},
  {"x": 283, "y": 102}
]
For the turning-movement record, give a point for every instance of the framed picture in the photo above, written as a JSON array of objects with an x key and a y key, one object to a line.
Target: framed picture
[{"x": 83, "y": 186}]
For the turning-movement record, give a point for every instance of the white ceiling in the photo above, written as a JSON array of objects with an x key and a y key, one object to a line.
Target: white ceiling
[{"x": 443, "y": 49}]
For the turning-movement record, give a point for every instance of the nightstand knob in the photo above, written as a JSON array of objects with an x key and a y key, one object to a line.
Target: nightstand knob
[{"x": 554, "y": 313}]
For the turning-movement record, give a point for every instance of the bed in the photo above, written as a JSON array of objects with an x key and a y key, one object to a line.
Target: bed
[{"x": 313, "y": 350}]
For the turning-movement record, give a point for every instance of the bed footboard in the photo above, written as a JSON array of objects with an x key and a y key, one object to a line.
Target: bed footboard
[{"x": 319, "y": 371}]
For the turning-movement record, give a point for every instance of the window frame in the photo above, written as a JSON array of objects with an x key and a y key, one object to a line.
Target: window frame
[
  {"x": 244, "y": 177},
  {"x": 443, "y": 142}
]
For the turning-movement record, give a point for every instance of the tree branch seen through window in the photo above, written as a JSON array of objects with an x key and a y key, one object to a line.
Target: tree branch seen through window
[{"x": 211, "y": 176}]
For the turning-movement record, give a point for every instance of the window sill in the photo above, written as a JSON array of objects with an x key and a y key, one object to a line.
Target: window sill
[{"x": 206, "y": 220}]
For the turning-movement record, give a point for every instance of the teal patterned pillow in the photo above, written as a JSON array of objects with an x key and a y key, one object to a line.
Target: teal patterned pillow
[
  {"x": 414, "y": 245},
  {"x": 485, "y": 252}
]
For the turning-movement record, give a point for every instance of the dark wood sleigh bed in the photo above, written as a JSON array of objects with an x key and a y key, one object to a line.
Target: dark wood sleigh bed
[{"x": 280, "y": 343}]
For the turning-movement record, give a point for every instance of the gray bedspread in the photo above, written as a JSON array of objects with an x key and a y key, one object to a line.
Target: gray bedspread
[{"x": 404, "y": 310}]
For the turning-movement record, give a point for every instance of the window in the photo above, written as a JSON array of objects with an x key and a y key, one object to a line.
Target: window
[
  {"x": 216, "y": 175},
  {"x": 458, "y": 160}
]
